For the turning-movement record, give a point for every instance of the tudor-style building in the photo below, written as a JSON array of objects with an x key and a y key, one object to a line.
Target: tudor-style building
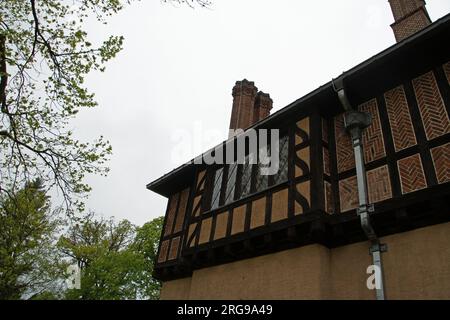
[{"x": 232, "y": 233}]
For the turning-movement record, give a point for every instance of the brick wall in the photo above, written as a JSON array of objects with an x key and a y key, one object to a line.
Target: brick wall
[
  {"x": 410, "y": 17},
  {"x": 417, "y": 145}
]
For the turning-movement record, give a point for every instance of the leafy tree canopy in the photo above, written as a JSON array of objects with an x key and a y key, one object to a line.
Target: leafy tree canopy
[
  {"x": 45, "y": 55},
  {"x": 29, "y": 261},
  {"x": 116, "y": 258}
]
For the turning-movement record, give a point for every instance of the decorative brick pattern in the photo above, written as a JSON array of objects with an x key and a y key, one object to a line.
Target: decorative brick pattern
[
  {"x": 344, "y": 149},
  {"x": 379, "y": 188},
  {"x": 373, "y": 135},
  {"x": 372, "y": 139},
  {"x": 412, "y": 177},
  {"x": 441, "y": 160},
  {"x": 434, "y": 116},
  {"x": 400, "y": 119},
  {"x": 173, "y": 202},
  {"x": 175, "y": 244},
  {"x": 348, "y": 194},
  {"x": 164, "y": 248},
  {"x": 326, "y": 161},
  {"x": 379, "y": 184},
  {"x": 447, "y": 71},
  {"x": 329, "y": 204},
  {"x": 410, "y": 25}
]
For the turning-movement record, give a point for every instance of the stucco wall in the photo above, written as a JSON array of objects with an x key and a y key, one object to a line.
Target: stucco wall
[
  {"x": 416, "y": 266},
  {"x": 176, "y": 289}
]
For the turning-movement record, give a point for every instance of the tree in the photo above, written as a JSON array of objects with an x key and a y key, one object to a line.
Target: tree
[
  {"x": 115, "y": 258},
  {"x": 29, "y": 262},
  {"x": 146, "y": 243},
  {"x": 45, "y": 56}
]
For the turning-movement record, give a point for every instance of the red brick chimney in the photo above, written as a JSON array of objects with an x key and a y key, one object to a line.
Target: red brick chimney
[
  {"x": 244, "y": 96},
  {"x": 263, "y": 105},
  {"x": 410, "y": 17},
  {"x": 249, "y": 105}
]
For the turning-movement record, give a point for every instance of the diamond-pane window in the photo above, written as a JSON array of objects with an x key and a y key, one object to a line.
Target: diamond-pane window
[
  {"x": 262, "y": 181},
  {"x": 216, "y": 189},
  {"x": 282, "y": 174},
  {"x": 231, "y": 183},
  {"x": 246, "y": 177}
]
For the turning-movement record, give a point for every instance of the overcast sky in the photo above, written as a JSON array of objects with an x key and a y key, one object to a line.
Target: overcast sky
[{"x": 179, "y": 65}]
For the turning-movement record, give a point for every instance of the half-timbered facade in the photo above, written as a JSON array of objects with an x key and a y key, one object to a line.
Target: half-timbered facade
[{"x": 222, "y": 218}]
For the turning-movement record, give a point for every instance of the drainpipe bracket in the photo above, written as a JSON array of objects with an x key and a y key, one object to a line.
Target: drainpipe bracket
[
  {"x": 357, "y": 119},
  {"x": 356, "y": 140},
  {"x": 381, "y": 247},
  {"x": 368, "y": 208}
]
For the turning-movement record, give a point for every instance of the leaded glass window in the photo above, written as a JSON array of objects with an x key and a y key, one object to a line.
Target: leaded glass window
[
  {"x": 231, "y": 183},
  {"x": 216, "y": 188},
  {"x": 262, "y": 181},
  {"x": 247, "y": 184},
  {"x": 246, "y": 177},
  {"x": 282, "y": 174}
]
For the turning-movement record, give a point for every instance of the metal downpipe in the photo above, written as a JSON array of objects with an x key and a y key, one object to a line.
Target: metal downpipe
[{"x": 355, "y": 122}]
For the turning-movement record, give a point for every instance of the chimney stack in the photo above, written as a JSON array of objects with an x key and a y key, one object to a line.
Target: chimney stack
[
  {"x": 410, "y": 17},
  {"x": 263, "y": 105},
  {"x": 249, "y": 105}
]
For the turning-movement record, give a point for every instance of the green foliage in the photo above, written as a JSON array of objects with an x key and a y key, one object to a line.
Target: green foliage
[
  {"x": 116, "y": 259},
  {"x": 29, "y": 261},
  {"x": 146, "y": 244},
  {"x": 45, "y": 56}
]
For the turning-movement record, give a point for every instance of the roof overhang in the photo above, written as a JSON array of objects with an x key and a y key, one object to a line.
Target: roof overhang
[{"x": 378, "y": 74}]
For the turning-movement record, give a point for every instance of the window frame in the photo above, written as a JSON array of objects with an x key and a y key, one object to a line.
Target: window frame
[{"x": 237, "y": 193}]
